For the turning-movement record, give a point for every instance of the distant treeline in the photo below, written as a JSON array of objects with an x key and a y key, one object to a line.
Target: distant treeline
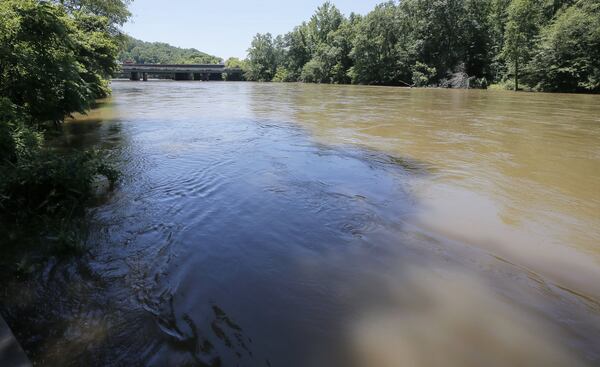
[
  {"x": 546, "y": 45},
  {"x": 162, "y": 53}
]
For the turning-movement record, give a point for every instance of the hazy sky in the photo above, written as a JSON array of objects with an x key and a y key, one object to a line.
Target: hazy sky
[{"x": 224, "y": 28}]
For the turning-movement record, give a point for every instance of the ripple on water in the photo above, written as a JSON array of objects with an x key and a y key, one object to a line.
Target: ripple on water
[{"x": 237, "y": 239}]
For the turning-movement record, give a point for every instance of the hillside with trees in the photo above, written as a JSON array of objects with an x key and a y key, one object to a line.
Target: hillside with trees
[
  {"x": 544, "y": 45},
  {"x": 162, "y": 53}
]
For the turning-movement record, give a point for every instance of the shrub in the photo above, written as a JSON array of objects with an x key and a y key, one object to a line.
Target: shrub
[
  {"x": 423, "y": 75},
  {"x": 37, "y": 179},
  {"x": 283, "y": 75}
]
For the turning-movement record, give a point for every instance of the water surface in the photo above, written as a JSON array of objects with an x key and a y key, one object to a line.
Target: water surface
[{"x": 305, "y": 225}]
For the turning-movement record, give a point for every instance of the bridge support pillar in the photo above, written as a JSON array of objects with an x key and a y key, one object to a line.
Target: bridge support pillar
[
  {"x": 184, "y": 76},
  {"x": 134, "y": 76},
  {"x": 145, "y": 77}
]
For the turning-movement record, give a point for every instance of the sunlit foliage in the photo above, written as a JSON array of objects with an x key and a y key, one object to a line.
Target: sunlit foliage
[
  {"x": 54, "y": 60},
  {"x": 547, "y": 45},
  {"x": 142, "y": 52}
]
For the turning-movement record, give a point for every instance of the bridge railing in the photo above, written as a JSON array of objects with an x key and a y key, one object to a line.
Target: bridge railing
[{"x": 178, "y": 71}]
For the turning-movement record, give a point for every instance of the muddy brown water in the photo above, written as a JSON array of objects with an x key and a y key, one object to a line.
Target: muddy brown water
[{"x": 307, "y": 225}]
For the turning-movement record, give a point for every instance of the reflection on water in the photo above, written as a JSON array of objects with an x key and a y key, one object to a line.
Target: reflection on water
[{"x": 301, "y": 225}]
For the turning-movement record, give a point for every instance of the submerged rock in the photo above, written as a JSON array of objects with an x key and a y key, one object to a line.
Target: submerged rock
[{"x": 101, "y": 186}]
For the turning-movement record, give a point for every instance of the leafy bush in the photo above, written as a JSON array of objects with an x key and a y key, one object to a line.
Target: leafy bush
[
  {"x": 35, "y": 179},
  {"x": 54, "y": 60},
  {"x": 282, "y": 75},
  {"x": 235, "y": 63},
  {"x": 42, "y": 191},
  {"x": 17, "y": 141},
  {"x": 49, "y": 182},
  {"x": 423, "y": 75},
  {"x": 568, "y": 57},
  {"x": 313, "y": 71}
]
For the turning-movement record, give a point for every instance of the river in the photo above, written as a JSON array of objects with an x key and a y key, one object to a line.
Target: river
[{"x": 318, "y": 225}]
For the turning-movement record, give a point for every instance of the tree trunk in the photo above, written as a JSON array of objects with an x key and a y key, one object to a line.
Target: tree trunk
[{"x": 517, "y": 74}]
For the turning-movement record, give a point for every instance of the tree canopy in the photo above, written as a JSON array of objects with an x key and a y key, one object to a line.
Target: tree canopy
[
  {"x": 116, "y": 11},
  {"x": 53, "y": 63},
  {"x": 549, "y": 45},
  {"x": 162, "y": 53},
  {"x": 55, "y": 59}
]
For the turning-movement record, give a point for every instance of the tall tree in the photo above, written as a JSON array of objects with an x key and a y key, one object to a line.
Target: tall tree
[
  {"x": 436, "y": 26},
  {"x": 53, "y": 61},
  {"x": 39, "y": 68},
  {"x": 382, "y": 51},
  {"x": 116, "y": 11},
  {"x": 568, "y": 56},
  {"x": 326, "y": 20},
  {"x": 497, "y": 24},
  {"x": 298, "y": 51},
  {"x": 476, "y": 38},
  {"x": 262, "y": 58},
  {"x": 326, "y": 46},
  {"x": 523, "y": 24}
]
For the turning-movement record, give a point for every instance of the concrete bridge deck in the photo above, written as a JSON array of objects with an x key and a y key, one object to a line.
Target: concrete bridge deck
[{"x": 179, "y": 71}]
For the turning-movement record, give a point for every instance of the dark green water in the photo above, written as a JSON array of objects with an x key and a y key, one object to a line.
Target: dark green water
[{"x": 300, "y": 225}]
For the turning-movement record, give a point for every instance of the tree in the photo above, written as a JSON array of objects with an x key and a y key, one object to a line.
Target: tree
[
  {"x": 313, "y": 71},
  {"x": 39, "y": 61},
  {"x": 476, "y": 38},
  {"x": 116, "y": 11},
  {"x": 497, "y": 16},
  {"x": 436, "y": 29},
  {"x": 568, "y": 58},
  {"x": 298, "y": 52},
  {"x": 235, "y": 63},
  {"x": 262, "y": 58},
  {"x": 382, "y": 50},
  {"x": 326, "y": 20},
  {"x": 53, "y": 61},
  {"x": 96, "y": 50},
  {"x": 523, "y": 23}
]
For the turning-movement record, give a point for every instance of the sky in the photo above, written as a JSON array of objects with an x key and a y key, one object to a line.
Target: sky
[{"x": 224, "y": 28}]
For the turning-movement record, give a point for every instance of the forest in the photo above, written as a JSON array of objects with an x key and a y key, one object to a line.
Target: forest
[
  {"x": 142, "y": 52},
  {"x": 541, "y": 45}
]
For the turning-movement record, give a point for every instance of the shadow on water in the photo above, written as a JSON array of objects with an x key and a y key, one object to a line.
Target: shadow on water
[
  {"x": 240, "y": 240},
  {"x": 93, "y": 132},
  {"x": 206, "y": 214}
]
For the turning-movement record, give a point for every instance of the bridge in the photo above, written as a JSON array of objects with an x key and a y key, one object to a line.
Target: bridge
[{"x": 179, "y": 71}]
